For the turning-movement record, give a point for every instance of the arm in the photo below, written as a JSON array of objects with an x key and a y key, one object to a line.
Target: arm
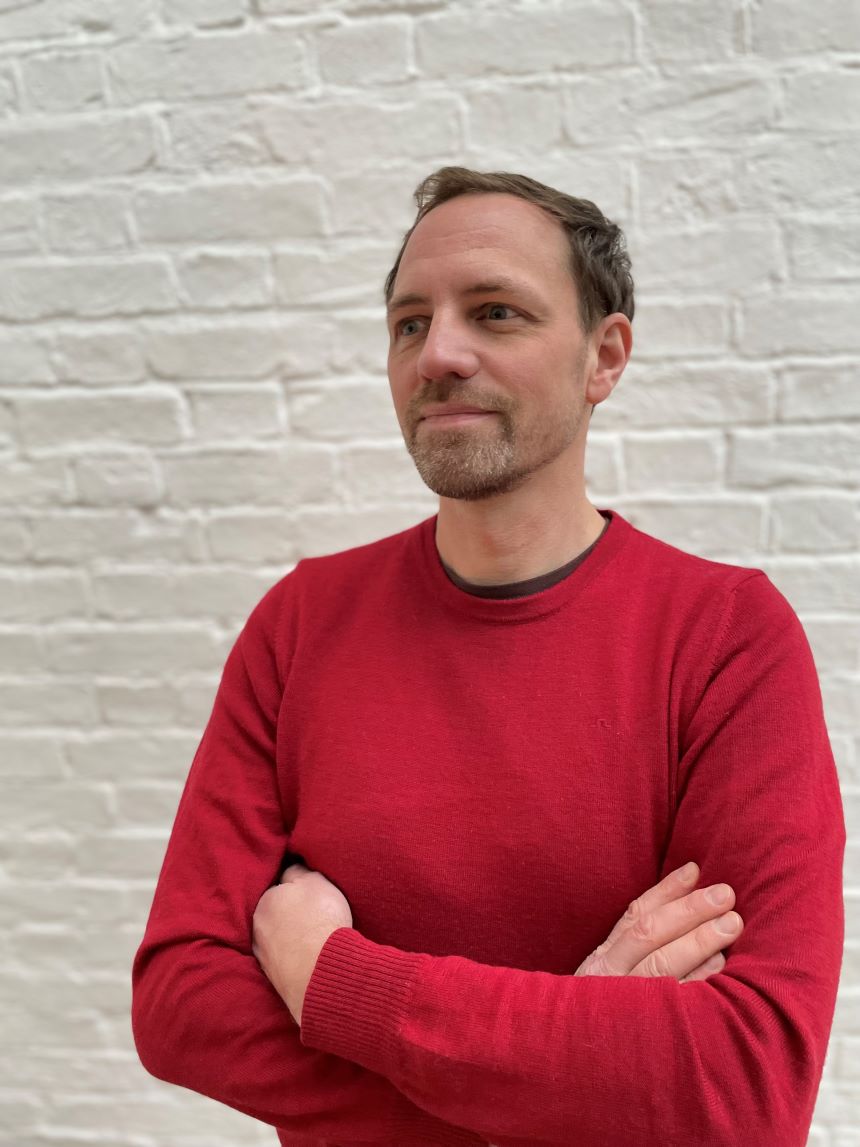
[
  {"x": 532, "y": 1056},
  {"x": 204, "y": 1016}
]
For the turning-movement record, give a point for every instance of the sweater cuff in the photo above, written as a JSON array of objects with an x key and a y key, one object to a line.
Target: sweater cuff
[{"x": 355, "y": 999}]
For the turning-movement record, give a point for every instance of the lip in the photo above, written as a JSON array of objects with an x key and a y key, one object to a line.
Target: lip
[
  {"x": 457, "y": 418},
  {"x": 451, "y": 409}
]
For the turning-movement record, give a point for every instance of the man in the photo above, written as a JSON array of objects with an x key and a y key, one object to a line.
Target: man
[{"x": 485, "y": 736}]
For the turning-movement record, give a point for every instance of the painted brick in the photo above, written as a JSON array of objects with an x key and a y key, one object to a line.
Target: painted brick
[
  {"x": 27, "y": 754},
  {"x": 191, "y": 67},
  {"x": 688, "y": 394},
  {"x": 823, "y": 392},
  {"x": 547, "y": 39},
  {"x": 36, "y": 482},
  {"x": 251, "y": 537},
  {"x": 531, "y": 114},
  {"x": 88, "y": 149},
  {"x": 140, "y": 595},
  {"x": 343, "y": 411},
  {"x": 220, "y": 280},
  {"x": 274, "y": 477},
  {"x": 225, "y": 211},
  {"x": 66, "y": 420},
  {"x": 793, "y": 171},
  {"x": 727, "y": 258},
  {"x": 822, "y": 101},
  {"x": 249, "y": 349},
  {"x": 130, "y": 479},
  {"x": 712, "y": 527},
  {"x": 361, "y": 133},
  {"x": 788, "y": 27},
  {"x": 25, "y": 358},
  {"x": 66, "y": 82},
  {"x": 86, "y": 535},
  {"x": 676, "y": 461},
  {"x": 204, "y": 13},
  {"x": 228, "y": 413},
  {"x": 98, "y": 356},
  {"x": 43, "y": 596},
  {"x": 819, "y": 455},
  {"x": 824, "y": 250},
  {"x": 48, "y": 703},
  {"x": 130, "y": 651},
  {"x": 796, "y": 323},
  {"x": 813, "y": 523},
  {"x": 674, "y": 30},
  {"x": 85, "y": 289},
  {"x": 87, "y": 222},
  {"x": 72, "y": 19},
  {"x": 9, "y": 100},
  {"x": 828, "y": 583},
  {"x": 344, "y": 274},
  {"x": 19, "y": 225},
  {"x": 226, "y": 137},
  {"x": 679, "y": 186},
  {"x": 150, "y": 754},
  {"x": 677, "y": 329},
  {"x": 364, "y": 53}
]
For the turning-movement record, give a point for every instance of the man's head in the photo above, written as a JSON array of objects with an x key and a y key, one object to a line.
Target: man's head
[
  {"x": 599, "y": 263},
  {"x": 512, "y": 298}
]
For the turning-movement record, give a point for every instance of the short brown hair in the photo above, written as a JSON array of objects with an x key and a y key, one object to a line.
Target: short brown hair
[{"x": 599, "y": 262}]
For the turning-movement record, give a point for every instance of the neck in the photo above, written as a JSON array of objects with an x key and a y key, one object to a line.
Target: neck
[{"x": 513, "y": 537}]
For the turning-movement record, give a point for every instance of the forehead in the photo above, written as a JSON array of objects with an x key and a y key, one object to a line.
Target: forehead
[{"x": 484, "y": 233}]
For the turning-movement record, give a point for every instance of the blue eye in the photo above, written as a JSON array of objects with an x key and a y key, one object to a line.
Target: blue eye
[
  {"x": 497, "y": 307},
  {"x": 406, "y": 323}
]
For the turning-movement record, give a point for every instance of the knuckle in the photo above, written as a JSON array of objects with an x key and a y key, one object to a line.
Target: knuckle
[
  {"x": 633, "y": 912},
  {"x": 656, "y": 964},
  {"x": 644, "y": 928}
]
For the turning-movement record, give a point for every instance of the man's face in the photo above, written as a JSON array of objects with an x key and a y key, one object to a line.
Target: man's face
[{"x": 484, "y": 313}]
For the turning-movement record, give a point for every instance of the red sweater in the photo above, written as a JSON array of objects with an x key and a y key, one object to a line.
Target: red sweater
[{"x": 490, "y": 782}]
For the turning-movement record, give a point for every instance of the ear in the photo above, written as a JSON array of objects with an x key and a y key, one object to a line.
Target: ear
[{"x": 612, "y": 342}]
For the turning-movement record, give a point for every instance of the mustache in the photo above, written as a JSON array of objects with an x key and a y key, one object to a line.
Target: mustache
[{"x": 440, "y": 395}]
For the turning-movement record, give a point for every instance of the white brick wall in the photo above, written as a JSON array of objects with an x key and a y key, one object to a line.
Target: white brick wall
[{"x": 199, "y": 200}]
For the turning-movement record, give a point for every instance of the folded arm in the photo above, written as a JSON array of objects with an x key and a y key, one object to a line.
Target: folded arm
[{"x": 204, "y": 1015}]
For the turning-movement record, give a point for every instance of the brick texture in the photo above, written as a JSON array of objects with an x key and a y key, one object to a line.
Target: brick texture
[{"x": 199, "y": 202}]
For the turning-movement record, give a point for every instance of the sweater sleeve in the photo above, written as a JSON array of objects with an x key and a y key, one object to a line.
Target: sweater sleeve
[
  {"x": 204, "y": 1015},
  {"x": 527, "y": 1056}
]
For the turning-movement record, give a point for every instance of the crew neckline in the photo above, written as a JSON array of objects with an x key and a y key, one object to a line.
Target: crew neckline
[
  {"x": 523, "y": 586},
  {"x": 525, "y": 606}
]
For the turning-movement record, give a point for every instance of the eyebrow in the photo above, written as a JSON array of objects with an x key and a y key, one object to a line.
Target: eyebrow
[{"x": 484, "y": 288}]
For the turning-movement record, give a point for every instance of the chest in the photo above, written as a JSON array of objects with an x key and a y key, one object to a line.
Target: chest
[{"x": 476, "y": 800}]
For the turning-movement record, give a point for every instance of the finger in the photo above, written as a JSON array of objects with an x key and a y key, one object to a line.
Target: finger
[
  {"x": 645, "y": 933},
  {"x": 289, "y": 873},
  {"x": 680, "y": 957},
  {"x": 709, "y": 967},
  {"x": 670, "y": 888}
]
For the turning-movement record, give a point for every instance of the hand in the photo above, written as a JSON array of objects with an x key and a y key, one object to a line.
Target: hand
[
  {"x": 668, "y": 931},
  {"x": 291, "y": 924}
]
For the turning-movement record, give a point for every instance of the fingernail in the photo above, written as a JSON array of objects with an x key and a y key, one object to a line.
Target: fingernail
[
  {"x": 687, "y": 873},
  {"x": 719, "y": 894},
  {"x": 728, "y": 923}
]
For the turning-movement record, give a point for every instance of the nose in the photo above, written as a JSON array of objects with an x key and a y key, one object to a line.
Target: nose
[{"x": 447, "y": 349}]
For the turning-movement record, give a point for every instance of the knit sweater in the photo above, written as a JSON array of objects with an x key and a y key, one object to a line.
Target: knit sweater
[{"x": 490, "y": 781}]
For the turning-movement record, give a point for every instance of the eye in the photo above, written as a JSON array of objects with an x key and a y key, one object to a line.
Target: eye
[
  {"x": 493, "y": 308},
  {"x": 403, "y": 327}
]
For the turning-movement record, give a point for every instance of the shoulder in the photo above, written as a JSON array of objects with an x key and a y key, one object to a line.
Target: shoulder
[{"x": 318, "y": 589}]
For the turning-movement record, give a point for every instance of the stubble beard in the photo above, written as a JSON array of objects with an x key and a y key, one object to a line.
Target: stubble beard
[{"x": 476, "y": 462}]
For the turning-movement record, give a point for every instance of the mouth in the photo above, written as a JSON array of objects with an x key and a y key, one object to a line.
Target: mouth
[{"x": 459, "y": 417}]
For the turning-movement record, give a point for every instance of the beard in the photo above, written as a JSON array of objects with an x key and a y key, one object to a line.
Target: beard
[{"x": 495, "y": 456}]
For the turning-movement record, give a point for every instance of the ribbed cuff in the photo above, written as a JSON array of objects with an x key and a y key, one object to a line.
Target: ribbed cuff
[{"x": 355, "y": 1000}]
